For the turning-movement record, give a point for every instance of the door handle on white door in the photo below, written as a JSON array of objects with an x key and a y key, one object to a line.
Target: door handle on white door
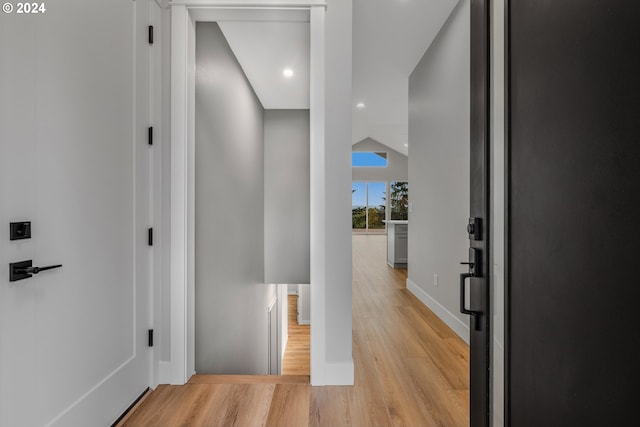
[
  {"x": 36, "y": 270},
  {"x": 24, "y": 269}
]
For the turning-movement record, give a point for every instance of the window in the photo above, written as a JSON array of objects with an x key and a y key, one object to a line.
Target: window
[
  {"x": 368, "y": 159},
  {"x": 359, "y": 205},
  {"x": 399, "y": 200},
  {"x": 368, "y": 206}
]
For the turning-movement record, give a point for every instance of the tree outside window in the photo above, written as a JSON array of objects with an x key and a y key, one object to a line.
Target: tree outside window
[
  {"x": 399, "y": 200},
  {"x": 368, "y": 207}
]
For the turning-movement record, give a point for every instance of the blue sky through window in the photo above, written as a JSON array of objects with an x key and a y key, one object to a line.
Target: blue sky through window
[
  {"x": 359, "y": 196},
  {"x": 376, "y": 193},
  {"x": 368, "y": 159}
]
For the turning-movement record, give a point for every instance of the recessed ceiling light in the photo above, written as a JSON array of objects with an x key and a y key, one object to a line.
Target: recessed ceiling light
[
  {"x": 360, "y": 105},
  {"x": 287, "y": 72}
]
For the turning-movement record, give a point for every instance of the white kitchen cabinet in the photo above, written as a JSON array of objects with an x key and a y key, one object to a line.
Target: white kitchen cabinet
[{"x": 397, "y": 238}]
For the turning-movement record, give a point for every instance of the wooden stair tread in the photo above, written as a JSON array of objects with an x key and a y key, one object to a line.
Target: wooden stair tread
[{"x": 249, "y": 379}]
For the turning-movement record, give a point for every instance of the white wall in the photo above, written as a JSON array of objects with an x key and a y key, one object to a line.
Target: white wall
[
  {"x": 439, "y": 92},
  {"x": 338, "y": 191},
  {"x": 286, "y": 196},
  {"x": 397, "y": 163},
  {"x": 230, "y": 296},
  {"x": 331, "y": 337}
]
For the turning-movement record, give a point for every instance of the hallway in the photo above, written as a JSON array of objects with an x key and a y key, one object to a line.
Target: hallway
[
  {"x": 296, "y": 360},
  {"x": 411, "y": 370}
]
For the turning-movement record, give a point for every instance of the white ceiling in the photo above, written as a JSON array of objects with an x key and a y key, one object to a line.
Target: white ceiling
[
  {"x": 264, "y": 50},
  {"x": 389, "y": 38}
]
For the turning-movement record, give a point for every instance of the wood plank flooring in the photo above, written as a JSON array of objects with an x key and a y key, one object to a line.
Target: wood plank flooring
[
  {"x": 296, "y": 356},
  {"x": 410, "y": 370}
]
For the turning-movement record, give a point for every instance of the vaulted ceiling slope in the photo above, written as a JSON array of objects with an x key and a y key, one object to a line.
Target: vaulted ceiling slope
[{"x": 389, "y": 38}]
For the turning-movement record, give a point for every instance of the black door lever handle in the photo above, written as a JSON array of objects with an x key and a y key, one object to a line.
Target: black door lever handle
[
  {"x": 36, "y": 270},
  {"x": 24, "y": 269},
  {"x": 472, "y": 268},
  {"x": 475, "y": 324}
]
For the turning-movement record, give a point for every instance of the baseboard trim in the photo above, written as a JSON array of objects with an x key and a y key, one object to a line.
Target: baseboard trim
[
  {"x": 131, "y": 407},
  {"x": 458, "y": 326},
  {"x": 335, "y": 374}
]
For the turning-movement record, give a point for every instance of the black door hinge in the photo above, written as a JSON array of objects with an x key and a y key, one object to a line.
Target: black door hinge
[
  {"x": 150, "y": 237},
  {"x": 150, "y": 337},
  {"x": 150, "y": 34},
  {"x": 150, "y": 135}
]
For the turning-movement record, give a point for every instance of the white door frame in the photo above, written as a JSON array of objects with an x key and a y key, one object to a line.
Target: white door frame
[{"x": 184, "y": 15}]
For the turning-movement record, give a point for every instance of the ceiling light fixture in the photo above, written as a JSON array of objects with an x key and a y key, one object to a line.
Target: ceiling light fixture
[
  {"x": 287, "y": 72},
  {"x": 360, "y": 105},
  {"x": 406, "y": 144}
]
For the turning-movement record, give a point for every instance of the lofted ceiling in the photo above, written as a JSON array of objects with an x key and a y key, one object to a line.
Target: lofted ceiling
[{"x": 389, "y": 38}]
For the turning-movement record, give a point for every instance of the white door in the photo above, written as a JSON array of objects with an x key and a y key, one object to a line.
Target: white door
[{"x": 74, "y": 162}]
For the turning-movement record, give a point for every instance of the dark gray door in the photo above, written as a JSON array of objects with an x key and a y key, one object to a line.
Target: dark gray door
[
  {"x": 475, "y": 280},
  {"x": 573, "y": 242}
]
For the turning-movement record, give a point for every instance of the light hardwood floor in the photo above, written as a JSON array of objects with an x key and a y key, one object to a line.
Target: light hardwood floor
[
  {"x": 410, "y": 370},
  {"x": 296, "y": 356}
]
